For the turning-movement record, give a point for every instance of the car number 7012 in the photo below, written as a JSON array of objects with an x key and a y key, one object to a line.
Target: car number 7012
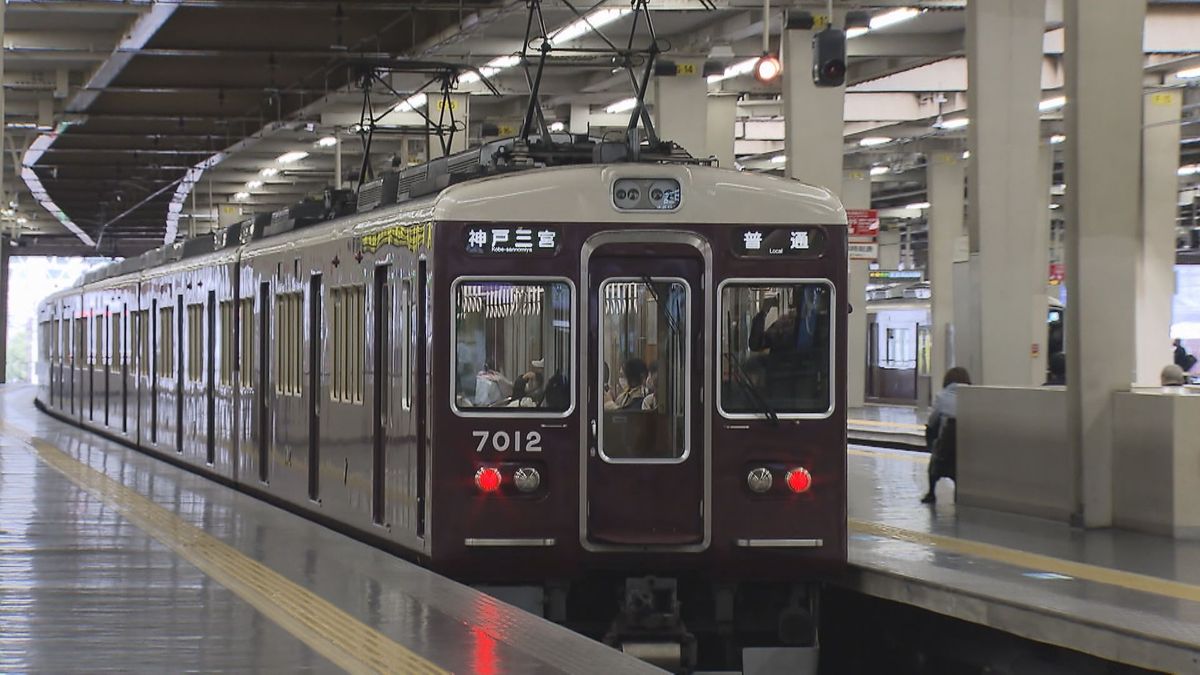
[{"x": 504, "y": 441}]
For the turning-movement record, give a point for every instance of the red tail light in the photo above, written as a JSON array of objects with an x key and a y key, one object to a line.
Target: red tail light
[
  {"x": 799, "y": 480},
  {"x": 487, "y": 479}
]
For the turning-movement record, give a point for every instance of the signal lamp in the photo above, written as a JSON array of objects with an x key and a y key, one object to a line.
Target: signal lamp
[
  {"x": 527, "y": 479},
  {"x": 759, "y": 480},
  {"x": 768, "y": 68},
  {"x": 829, "y": 58},
  {"x": 798, "y": 480},
  {"x": 487, "y": 479}
]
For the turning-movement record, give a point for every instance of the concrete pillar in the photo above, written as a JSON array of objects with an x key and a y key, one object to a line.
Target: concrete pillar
[
  {"x": 813, "y": 126},
  {"x": 889, "y": 249},
  {"x": 1104, "y": 62},
  {"x": 681, "y": 110},
  {"x": 5, "y": 247},
  {"x": 337, "y": 161},
  {"x": 228, "y": 214},
  {"x": 1004, "y": 57},
  {"x": 720, "y": 129},
  {"x": 1156, "y": 273},
  {"x": 945, "y": 176},
  {"x": 856, "y": 194},
  {"x": 580, "y": 118}
]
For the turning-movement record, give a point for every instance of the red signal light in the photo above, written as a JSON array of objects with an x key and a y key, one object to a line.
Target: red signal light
[
  {"x": 799, "y": 480},
  {"x": 488, "y": 479}
]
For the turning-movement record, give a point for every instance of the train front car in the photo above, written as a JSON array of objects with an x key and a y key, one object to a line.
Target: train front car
[{"x": 643, "y": 409}]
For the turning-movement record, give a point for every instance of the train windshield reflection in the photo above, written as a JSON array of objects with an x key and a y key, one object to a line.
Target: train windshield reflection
[
  {"x": 512, "y": 346},
  {"x": 775, "y": 349}
]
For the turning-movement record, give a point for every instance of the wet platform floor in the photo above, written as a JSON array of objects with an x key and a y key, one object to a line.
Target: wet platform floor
[{"x": 900, "y": 426}]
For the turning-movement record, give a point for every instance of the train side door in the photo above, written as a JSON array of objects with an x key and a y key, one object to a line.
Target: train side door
[{"x": 644, "y": 455}]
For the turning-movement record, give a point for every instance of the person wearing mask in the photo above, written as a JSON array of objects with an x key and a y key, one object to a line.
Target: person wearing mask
[
  {"x": 634, "y": 392},
  {"x": 941, "y": 431}
]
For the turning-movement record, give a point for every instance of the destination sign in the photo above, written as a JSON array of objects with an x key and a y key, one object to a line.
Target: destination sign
[
  {"x": 782, "y": 242},
  {"x": 530, "y": 240}
]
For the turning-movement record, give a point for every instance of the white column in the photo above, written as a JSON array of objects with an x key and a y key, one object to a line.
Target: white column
[
  {"x": 681, "y": 111},
  {"x": 1104, "y": 61},
  {"x": 946, "y": 174},
  {"x": 580, "y": 118},
  {"x": 889, "y": 249},
  {"x": 813, "y": 126},
  {"x": 1004, "y": 54},
  {"x": 720, "y": 129},
  {"x": 1156, "y": 273},
  {"x": 856, "y": 194},
  {"x": 337, "y": 161}
]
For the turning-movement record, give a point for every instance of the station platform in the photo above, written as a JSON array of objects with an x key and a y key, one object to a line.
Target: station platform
[
  {"x": 1126, "y": 597},
  {"x": 114, "y": 561},
  {"x": 889, "y": 425}
]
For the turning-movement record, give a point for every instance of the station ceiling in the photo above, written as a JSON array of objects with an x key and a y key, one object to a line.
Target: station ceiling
[{"x": 129, "y": 122}]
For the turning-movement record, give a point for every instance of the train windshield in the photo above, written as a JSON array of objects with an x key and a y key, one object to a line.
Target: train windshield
[
  {"x": 512, "y": 346},
  {"x": 776, "y": 357},
  {"x": 644, "y": 370}
]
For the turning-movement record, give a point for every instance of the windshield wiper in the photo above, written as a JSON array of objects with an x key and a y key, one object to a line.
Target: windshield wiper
[{"x": 756, "y": 394}]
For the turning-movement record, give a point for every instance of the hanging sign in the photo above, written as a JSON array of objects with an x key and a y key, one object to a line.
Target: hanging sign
[
  {"x": 862, "y": 222},
  {"x": 863, "y": 250}
]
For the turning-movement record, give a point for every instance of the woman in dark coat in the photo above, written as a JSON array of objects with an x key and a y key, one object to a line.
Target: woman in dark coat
[{"x": 941, "y": 431}]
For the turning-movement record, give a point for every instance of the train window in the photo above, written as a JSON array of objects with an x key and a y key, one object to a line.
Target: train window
[
  {"x": 143, "y": 330},
  {"x": 166, "y": 341},
  {"x": 117, "y": 345},
  {"x": 644, "y": 368},
  {"x": 776, "y": 348},
  {"x": 246, "y": 333},
  {"x": 98, "y": 339},
  {"x": 406, "y": 360},
  {"x": 289, "y": 356},
  {"x": 195, "y": 325},
  {"x": 226, "y": 351},
  {"x": 513, "y": 346},
  {"x": 348, "y": 334}
]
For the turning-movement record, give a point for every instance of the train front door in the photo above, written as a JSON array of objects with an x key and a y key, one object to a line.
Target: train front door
[{"x": 644, "y": 455}]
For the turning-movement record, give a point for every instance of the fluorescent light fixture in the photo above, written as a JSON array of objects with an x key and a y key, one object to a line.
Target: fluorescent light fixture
[
  {"x": 558, "y": 126},
  {"x": 918, "y": 206},
  {"x": 898, "y": 15},
  {"x": 872, "y": 141},
  {"x": 1052, "y": 103},
  {"x": 327, "y": 142},
  {"x": 502, "y": 62},
  {"x": 956, "y": 123},
  {"x": 1057, "y": 138},
  {"x": 740, "y": 68},
  {"x": 241, "y": 196},
  {"x": 1058, "y": 189},
  {"x": 293, "y": 156},
  {"x": 6, "y": 212},
  {"x": 21, "y": 220},
  {"x": 856, "y": 31},
  {"x": 880, "y": 170},
  {"x": 586, "y": 24},
  {"x": 621, "y": 106},
  {"x": 253, "y": 184},
  {"x": 1055, "y": 206},
  {"x": 966, "y": 154},
  {"x": 1189, "y": 170},
  {"x": 779, "y": 159},
  {"x": 411, "y": 103},
  {"x": 1190, "y": 73},
  {"x": 269, "y": 172}
]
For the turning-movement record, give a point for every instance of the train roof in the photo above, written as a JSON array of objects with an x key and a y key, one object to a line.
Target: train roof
[{"x": 502, "y": 181}]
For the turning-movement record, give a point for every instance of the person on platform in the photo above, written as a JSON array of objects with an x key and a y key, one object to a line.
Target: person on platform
[
  {"x": 941, "y": 431},
  {"x": 1183, "y": 359}
]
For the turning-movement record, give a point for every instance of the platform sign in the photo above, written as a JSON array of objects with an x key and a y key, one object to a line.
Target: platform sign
[
  {"x": 771, "y": 242},
  {"x": 863, "y": 250},
  {"x": 506, "y": 240},
  {"x": 862, "y": 222}
]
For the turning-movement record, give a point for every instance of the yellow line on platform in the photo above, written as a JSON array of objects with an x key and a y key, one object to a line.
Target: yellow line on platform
[
  {"x": 1034, "y": 561},
  {"x": 328, "y": 630},
  {"x": 892, "y": 425}
]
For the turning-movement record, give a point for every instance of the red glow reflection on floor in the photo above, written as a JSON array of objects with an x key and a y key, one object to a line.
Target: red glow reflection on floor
[{"x": 484, "y": 661}]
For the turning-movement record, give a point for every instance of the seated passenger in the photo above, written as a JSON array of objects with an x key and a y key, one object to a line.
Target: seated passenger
[
  {"x": 491, "y": 387},
  {"x": 521, "y": 395},
  {"x": 635, "y": 392},
  {"x": 941, "y": 431},
  {"x": 651, "y": 400}
]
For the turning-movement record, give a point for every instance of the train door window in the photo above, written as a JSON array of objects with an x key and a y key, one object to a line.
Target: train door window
[
  {"x": 117, "y": 345},
  {"x": 226, "y": 343},
  {"x": 776, "y": 348},
  {"x": 144, "y": 342},
  {"x": 408, "y": 335},
  {"x": 98, "y": 341},
  {"x": 289, "y": 356},
  {"x": 195, "y": 339},
  {"x": 644, "y": 369},
  {"x": 166, "y": 341},
  {"x": 348, "y": 334},
  {"x": 513, "y": 346},
  {"x": 246, "y": 349}
]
